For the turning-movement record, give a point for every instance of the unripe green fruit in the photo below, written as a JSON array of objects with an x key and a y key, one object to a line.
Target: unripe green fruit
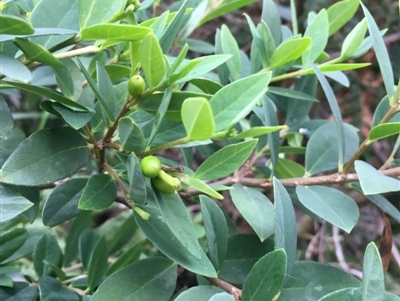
[
  {"x": 137, "y": 5},
  {"x": 162, "y": 186},
  {"x": 151, "y": 166},
  {"x": 136, "y": 85},
  {"x": 171, "y": 181}
]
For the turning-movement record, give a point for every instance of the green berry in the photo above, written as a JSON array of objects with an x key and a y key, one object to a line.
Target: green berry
[
  {"x": 136, "y": 85},
  {"x": 151, "y": 166}
]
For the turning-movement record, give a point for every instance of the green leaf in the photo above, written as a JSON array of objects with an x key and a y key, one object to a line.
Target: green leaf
[
  {"x": 99, "y": 94},
  {"x": 230, "y": 46},
  {"x": 46, "y": 249},
  {"x": 131, "y": 135},
  {"x": 11, "y": 241},
  {"x": 76, "y": 227},
  {"x": 380, "y": 111},
  {"x": 224, "y": 296},
  {"x": 225, "y": 161},
  {"x": 200, "y": 186},
  {"x": 14, "y": 69},
  {"x": 97, "y": 263},
  {"x": 330, "y": 204},
  {"x": 259, "y": 131},
  {"x": 87, "y": 243},
  {"x": 54, "y": 95},
  {"x": 291, "y": 93},
  {"x": 382, "y": 55},
  {"x": 285, "y": 225},
  {"x": 75, "y": 119},
  {"x": 345, "y": 294},
  {"x": 265, "y": 278},
  {"x": 38, "y": 53},
  {"x": 129, "y": 256},
  {"x": 306, "y": 276},
  {"x": 234, "y": 101},
  {"x": 206, "y": 85},
  {"x": 271, "y": 16},
  {"x": 6, "y": 281},
  {"x": 373, "y": 286},
  {"x": 372, "y": 181},
  {"x": 117, "y": 32},
  {"x": 14, "y": 25},
  {"x": 6, "y": 119},
  {"x": 94, "y": 11},
  {"x": 54, "y": 18},
  {"x": 318, "y": 31},
  {"x": 19, "y": 291},
  {"x": 243, "y": 252},
  {"x": 46, "y": 156},
  {"x": 289, "y": 169},
  {"x": 69, "y": 79},
  {"x": 353, "y": 40},
  {"x": 255, "y": 208},
  {"x": 136, "y": 180},
  {"x": 159, "y": 233},
  {"x": 340, "y": 67},
  {"x": 62, "y": 203},
  {"x": 333, "y": 104},
  {"x": 12, "y": 203},
  {"x": 216, "y": 230},
  {"x": 322, "y": 152},
  {"x": 289, "y": 50},
  {"x": 51, "y": 289},
  {"x": 384, "y": 130},
  {"x": 340, "y": 13},
  {"x": 178, "y": 220},
  {"x": 152, "y": 60},
  {"x": 141, "y": 280},
  {"x": 269, "y": 116},
  {"x": 106, "y": 90},
  {"x": 224, "y": 8},
  {"x": 99, "y": 192},
  {"x": 197, "y": 117},
  {"x": 199, "y": 293}
]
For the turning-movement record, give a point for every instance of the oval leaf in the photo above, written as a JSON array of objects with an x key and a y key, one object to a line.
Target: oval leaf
[
  {"x": 152, "y": 59},
  {"x": 99, "y": 193},
  {"x": 197, "y": 118},
  {"x": 384, "y": 130},
  {"x": 12, "y": 203},
  {"x": 14, "y": 25},
  {"x": 289, "y": 51}
]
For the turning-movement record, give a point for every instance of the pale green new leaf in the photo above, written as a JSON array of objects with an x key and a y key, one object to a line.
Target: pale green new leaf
[
  {"x": 118, "y": 32},
  {"x": 289, "y": 50},
  {"x": 384, "y": 130},
  {"x": 152, "y": 60},
  {"x": 200, "y": 186},
  {"x": 14, "y": 25},
  {"x": 197, "y": 118},
  {"x": 318, "y": 31},
  {"x": 353, "y": 40},
  {"x": 225, "y": 161},
  {"x": 340, "y": 13},
  {"x": 230, "y": 46}
]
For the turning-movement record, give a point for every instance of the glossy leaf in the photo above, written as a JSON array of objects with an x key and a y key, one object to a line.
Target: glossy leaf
[
  {"x": 373, "y": 286},
  {"x": 285, "y": 225},
  {"x": 234, "y": 101},
  {"x": 160, "y": 234},
  {"x": 54, "y": 95},
  {"x": 330, "y": 204},
  {"x": 384, "y": 130},
  {"x": 197, "y": 118},
  {"x": 51, "y": 289},
  {"x": 14, "y": 25},
  {"x": 38, "y": 53},
  {"x": 265, "y": 278},
  {"x": 216, "y": 231},
  {"x": 289, "y": 169},
  {"x": 340, "y": 13},
  {"x": 140, "y": 281},
  {"x": 136, "y": 180},
  {"x": 14, "y": 69},
  {"x": 225, "y": 161},
  {"x": 382, "y": 55},
  {"x": 243, "y": 252},
  {"x": 255, "y": 208},
  {"x": 12, "y": 203},
  {"x": 46, "y": 156},
  {"x": 353, "y": 40},
  {"x": 62, "y": 203},
  {"x": 199, "y": 293},
  {"x": 313, "y": 280},
  {"x": 152, "y": 60},
  {"x": 75, "y": 119},
  {"x": 131, "y": 135},
  {"x": 118, "y": 32},
  {"x": 201, "y": 186},
  {"x": 46, "y": 249},
  {"x": 11, "y": 241},
  {"x": 318, "y": 31},
  {"x": 372, "y": 181},
  {"x": 97, "y": 263},
  {"x": 99, "y": 192},
  {"x": 289, "y": 51}
]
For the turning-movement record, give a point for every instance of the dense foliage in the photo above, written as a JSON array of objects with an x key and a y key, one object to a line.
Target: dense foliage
[{"x": 103, "y": 194}]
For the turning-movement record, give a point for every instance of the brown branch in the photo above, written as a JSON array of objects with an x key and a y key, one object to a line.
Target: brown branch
[
  {"x": 293, "y": 182},
  {"x": 233, "y": 290}
]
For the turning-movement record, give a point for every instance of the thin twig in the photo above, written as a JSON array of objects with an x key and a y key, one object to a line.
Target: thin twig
[
  {"x": 233, "y": 290},
  {"x": 339, "y": 250}
]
